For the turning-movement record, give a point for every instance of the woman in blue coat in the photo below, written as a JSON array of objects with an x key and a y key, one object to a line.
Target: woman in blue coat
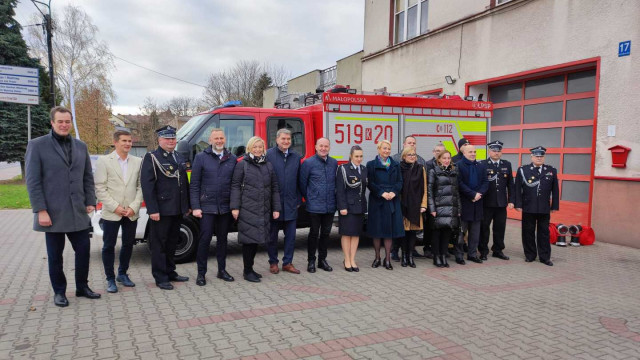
[{"x": 385, "y": 213}]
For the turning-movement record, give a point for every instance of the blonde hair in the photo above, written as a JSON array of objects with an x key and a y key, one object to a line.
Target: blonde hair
[
  {"x": 380, "y": 142},
  {"x": 406, "y": 151},
  {"x": 253, "y": 141}
]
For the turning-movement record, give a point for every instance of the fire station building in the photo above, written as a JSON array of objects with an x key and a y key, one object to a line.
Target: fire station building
[{"x": 560, "y": 73}]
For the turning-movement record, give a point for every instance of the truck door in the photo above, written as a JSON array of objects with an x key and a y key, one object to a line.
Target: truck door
[{"x": 293, "y": 124}]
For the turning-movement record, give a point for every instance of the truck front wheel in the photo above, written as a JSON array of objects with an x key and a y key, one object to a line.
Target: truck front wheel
[{"x": 187, "y": 246}]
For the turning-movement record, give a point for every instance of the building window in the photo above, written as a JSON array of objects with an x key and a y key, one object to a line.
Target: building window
[
  {"x": 410, "y": 20},
  {"x": 500, "y": 2}
]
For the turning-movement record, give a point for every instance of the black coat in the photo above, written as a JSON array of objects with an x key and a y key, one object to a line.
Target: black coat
[
  {"x": 254, "y": 191},
  {"x": 537, "y": 193},
  {"x": 287, "y": 170},
  {"x": 385, "y": 217},
  {"x": 501, "y": 185},
  {"x": 443, "y": 196},
  {"x": 351, "y": 199},
  {"x": 210, "y": 185},
  {"x": 471, "y": 210},
  {"x": 164, "y": 191}
]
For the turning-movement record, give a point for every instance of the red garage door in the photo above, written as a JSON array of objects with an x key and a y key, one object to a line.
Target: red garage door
[{"x": 557, "y": 111}]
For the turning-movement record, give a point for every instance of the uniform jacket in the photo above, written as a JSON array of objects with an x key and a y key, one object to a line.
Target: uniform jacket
[
  {"x": 501, "y": 185},
  {"x": 63, "y": 189},
  {"x": 287, "y": 171},
  {"x": 443, "y": 196},
  {"x": 113, "y": 190},
  {"x": 210, "y": 187},
  {"x": 385, "y": 217},
  {"x": 537, "y": 193},
  {"x": 318, "y": 184},
  {"x": 163, "y": 192},
  {"x": 472, "y": 211},
  {"x": 352, "y": 199},
  {"x": 255, "y": 192}
]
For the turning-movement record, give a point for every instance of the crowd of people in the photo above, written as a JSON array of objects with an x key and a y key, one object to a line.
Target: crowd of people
[{"x": 452, "y": 201}]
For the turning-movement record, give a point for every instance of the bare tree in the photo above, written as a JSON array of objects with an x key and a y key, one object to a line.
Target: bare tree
[
  {"x": 77, "y": 51},
  {"x": 239, "y": 82},
  {"x": 183, "y": 106}
]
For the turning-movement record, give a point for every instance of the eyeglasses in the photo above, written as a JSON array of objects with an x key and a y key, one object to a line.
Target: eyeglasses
[{"x": 411, "y": 155}]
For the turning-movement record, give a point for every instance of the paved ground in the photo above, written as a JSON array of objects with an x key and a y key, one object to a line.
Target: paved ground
[
  {"x": 585, "y": 307},
  {"x": 9, "y": 170}
]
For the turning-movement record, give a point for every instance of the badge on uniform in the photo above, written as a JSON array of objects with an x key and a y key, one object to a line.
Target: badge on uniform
[
  {"x": 529, "y": 181},
  {"x": 505, "y": 175},
  {"x": 170, "y": 167},
  {"x": 165, "y": 154}
]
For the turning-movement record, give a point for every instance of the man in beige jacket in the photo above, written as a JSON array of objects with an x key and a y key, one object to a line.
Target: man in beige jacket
[{"x": 117, "y": 180}]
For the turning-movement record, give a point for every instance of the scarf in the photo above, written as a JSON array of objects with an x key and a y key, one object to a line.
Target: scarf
[
  {"x": 473, "y": 174},
  {"x": 386, "y": 163},
  {"x": 257, "y": 159},
  {"x": 412, "y": 190}
]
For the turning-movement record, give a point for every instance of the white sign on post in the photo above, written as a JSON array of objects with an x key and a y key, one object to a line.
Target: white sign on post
[{"x": 19, "y": 85}]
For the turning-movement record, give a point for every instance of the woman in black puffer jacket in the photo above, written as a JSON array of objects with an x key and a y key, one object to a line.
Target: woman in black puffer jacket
[
  {"x": 444, "y": 205},
  {"x": 255, "y": 200}
]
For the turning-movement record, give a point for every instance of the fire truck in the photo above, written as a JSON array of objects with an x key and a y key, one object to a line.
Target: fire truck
[{"x": 341, "y": 115}]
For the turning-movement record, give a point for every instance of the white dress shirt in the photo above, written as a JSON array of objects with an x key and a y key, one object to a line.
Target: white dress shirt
[{"x": 124, "y": 165}]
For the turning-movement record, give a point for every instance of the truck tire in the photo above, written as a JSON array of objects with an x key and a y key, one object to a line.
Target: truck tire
[{"x": 187, "y": 246}]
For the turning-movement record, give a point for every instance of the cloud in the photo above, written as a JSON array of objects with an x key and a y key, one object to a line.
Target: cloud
[{"x": 191, "y": 39}]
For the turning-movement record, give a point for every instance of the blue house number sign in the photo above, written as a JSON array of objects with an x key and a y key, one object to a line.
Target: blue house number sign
[{"x": 624, "y": 48}]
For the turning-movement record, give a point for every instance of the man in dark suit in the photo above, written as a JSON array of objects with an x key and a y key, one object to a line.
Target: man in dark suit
[
  {"x": 537, "y": 196},
  {"x": 61, "y": 191},
  {"x": 472, "y": 184},
  {"x": 166, "y": 192},
  {"x": 496, "y": 200}
]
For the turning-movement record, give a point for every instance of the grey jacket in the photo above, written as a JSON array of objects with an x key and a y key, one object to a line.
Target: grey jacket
[{"x": 63, "y": 189}]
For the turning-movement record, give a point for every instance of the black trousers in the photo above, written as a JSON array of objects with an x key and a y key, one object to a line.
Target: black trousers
[
  {"x": 497, "y": 215},
  {"x": 427, "y": 236},
  {"x": 248, "y": 256},
  {"x": 440, "y": 239},
  {"x": 163, "y": 239},
  {"x": 55, "y": 247},
  {"x": 210, "y": 224},
  {"x": 473, "y": 238},
  {"x": 110, "y": 237},
  {"x": 535, "y": 236},
  {"x": 320, "y": 223}
]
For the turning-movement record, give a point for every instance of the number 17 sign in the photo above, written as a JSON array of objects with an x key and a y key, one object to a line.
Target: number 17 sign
[{"x": 624, "y": 48}]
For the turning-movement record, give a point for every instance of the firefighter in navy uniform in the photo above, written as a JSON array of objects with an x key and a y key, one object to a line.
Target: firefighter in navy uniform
[
  {"x": 496, "y": 200},
  {"x": 165, "y": 190},
  {"x": 537, "y": 196}
]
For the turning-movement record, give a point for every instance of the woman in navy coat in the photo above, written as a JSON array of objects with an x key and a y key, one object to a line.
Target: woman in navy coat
[
  {"x": 385, "y": 214},
  {"x": 351, "y": 184}
]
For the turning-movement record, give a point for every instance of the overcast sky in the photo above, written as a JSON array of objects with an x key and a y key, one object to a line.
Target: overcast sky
[{"x": 190, "y": 39}]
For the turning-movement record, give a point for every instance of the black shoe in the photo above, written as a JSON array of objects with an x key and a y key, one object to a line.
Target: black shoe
[
  {"x": 179, "y": 278},
  {"x": 60, "y": 300},
  {"x": 312, "y": 266},
  {"x": 355, "y": 269},
  {"x": 416, "y": 254},
  {"x": 411, "y": 262},
  {"x": 224, "y": 275},
  {"x": 403, "y": 259},
  {"x": 394, "y": 255},
  {"x": 251, "y": 277},
  {"x": 124, "y": 280},
  {"x": 428, "y": 255},
  {"x": 460, "y": 262},
  {"x": 444, "y": 261},
  {"x": 349, "y": 269},
  {"x": 376, "y": 263},
  {"x": 387, "y": 265},
  {"x": 475, "y": 260},
  {"x": 529, "y": 260},
  {"x": 437, "y": 261},
  {"x": 256, "y": 274},
  {"x": 111, "y": 286},
  {"x": 547, "y": 262},
  {"x": 200, "y": 280},
  {"x": 88, "y": 293},
  {"x": 483, "y": 257},
  {"x": 500, "y": 255},
  {"x": 165, "y": 285},
  {"x": 324, "y": 265}
]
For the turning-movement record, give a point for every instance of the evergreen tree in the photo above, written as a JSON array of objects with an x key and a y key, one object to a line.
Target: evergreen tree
[
  {"x": 263, "y": 83},
  {"x": 13, "y": 117}
]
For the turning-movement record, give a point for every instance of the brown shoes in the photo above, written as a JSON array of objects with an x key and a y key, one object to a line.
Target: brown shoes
[
  {"x": 273, "y": 268},
  {"x": 290, "y": 268}
]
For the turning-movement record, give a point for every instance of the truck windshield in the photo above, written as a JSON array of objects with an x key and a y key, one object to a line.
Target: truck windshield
[{"x": 191, "y": 126}]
